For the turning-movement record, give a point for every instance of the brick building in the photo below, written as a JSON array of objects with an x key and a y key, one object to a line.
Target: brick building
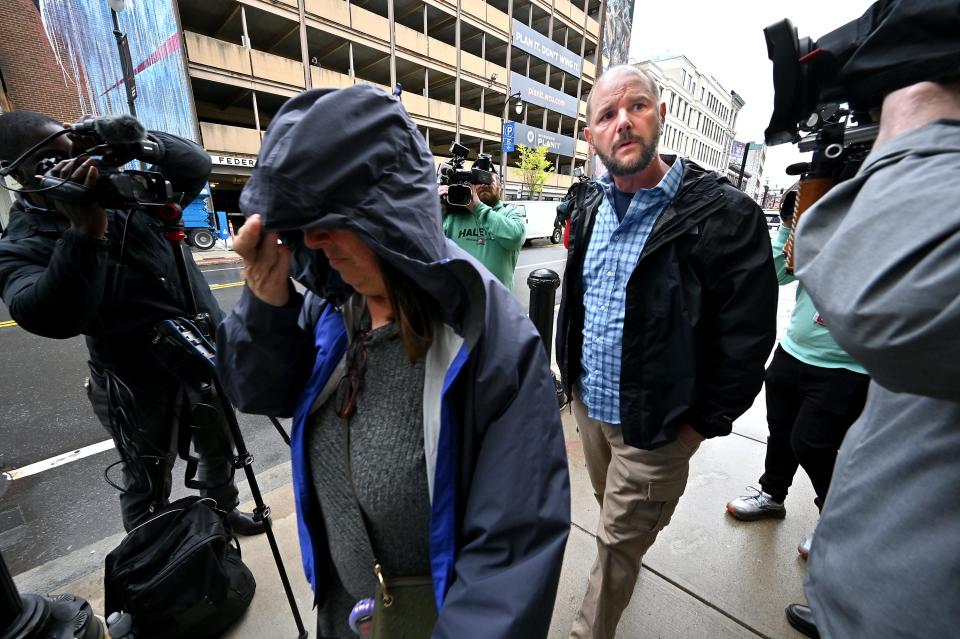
[{"x": 32, "y": 79}]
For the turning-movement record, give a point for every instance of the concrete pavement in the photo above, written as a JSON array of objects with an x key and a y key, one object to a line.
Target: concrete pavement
[{"x": 219, "y": 254}]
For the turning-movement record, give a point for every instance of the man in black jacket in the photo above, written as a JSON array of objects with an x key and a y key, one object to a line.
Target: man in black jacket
[
  {"x": 667, "y": 316},
  {"x": 68, "y": 269}
]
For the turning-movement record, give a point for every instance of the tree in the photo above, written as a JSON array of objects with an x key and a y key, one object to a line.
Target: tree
[{"x": 535, "y": 168}]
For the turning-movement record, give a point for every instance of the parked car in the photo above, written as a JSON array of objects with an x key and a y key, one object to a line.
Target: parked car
[
  {"x": 773, "y": 218},
  {"x": 540, "y": 217}
]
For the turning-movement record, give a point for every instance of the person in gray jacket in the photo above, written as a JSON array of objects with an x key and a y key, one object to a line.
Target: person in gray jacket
[
  {"x": 880, "y": 256},
  {"x": 426, "y": 438}
]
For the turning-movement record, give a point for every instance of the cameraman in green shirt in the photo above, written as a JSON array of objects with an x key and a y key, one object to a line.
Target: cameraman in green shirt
[{"x": 486, "y": 229}]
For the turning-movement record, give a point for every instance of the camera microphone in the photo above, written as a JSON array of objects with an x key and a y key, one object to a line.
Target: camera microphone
[
  {"x": 113, "y": 129},
  {"x": 123, "y": 137}
]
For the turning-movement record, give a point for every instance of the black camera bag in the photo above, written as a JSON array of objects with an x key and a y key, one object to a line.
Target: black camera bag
[{"x": 178, "y": 574}]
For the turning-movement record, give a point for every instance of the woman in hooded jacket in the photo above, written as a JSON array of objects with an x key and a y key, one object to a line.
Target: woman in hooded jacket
[{"x": 426, "y": 443}]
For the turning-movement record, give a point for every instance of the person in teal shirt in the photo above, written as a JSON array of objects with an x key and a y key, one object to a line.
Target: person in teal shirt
[
  {"x": 487, "y": 229},
  {"x": 814, "y": 392}
]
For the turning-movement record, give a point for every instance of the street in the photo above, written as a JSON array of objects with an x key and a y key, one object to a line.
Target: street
[{"x": 48, "y": 511}]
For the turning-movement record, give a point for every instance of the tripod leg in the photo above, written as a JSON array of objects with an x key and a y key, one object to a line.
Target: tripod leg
[
  {"x": 276, "y": 424},
  {"x": 243, "y": 459},
  {"x": 262, "y": 511}
]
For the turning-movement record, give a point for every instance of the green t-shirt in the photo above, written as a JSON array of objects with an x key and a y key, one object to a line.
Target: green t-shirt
[
  {"x": 493, "y": 235},
  {"x": 807, "y": 336}
]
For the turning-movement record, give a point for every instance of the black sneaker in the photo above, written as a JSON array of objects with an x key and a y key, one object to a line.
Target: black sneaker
[
  {"x": 757, "y": 506},
  {"x": 243, "y": 523},
  {"x": 801, "y": 618}
]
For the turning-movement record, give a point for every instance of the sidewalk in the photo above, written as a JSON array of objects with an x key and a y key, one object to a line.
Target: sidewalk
[
  {"x": 219, "y": 254},
  {"x": 707, "y": 576}
]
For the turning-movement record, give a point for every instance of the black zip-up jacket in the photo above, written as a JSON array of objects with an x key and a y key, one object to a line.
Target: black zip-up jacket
[
  {"x": 700, "y": 315},
  {"x": 59, "y": 284}
]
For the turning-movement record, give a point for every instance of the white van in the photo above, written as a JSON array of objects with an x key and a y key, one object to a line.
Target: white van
[{"x": 540, "y": 216}]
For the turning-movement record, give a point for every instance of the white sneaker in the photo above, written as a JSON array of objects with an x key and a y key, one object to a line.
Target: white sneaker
[
  {"x": 757, "y": 506},
  {"x": 804, "y": 547}
]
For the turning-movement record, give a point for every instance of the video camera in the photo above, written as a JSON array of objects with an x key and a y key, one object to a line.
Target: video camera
[
  {"x": 894, "y": 44},
  {"x": 832, "y": 88},
  {"x": 458, "y": 179},
  {"x": 112, "y": 141}
]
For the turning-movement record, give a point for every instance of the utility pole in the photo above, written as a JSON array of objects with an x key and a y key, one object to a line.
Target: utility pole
[
  {"x": 743, "y": 164},
  {"x": 126, "y": 64}
]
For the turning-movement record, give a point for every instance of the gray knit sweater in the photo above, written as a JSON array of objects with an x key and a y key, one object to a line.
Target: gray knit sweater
[{"x": 388, "y": 475}]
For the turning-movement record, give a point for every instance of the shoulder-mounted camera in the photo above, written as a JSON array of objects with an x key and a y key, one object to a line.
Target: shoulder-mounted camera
[
  {"x": 458, "y": 179},
  {"x": 831, "y": 89},
  {"x": 112, "y": 142}
]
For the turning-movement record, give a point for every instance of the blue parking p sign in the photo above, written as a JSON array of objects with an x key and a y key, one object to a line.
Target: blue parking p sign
[{"x": 509, "y": 132}]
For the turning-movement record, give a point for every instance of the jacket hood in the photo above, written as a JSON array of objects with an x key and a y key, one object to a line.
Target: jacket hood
[{"x": 353, "y": 159}]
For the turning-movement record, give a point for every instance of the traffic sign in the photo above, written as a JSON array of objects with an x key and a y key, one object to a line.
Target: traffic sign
[{"x": 509, "y": 135}]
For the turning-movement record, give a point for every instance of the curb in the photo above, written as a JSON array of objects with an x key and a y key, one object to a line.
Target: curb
[{"x": 218, "y": 261}]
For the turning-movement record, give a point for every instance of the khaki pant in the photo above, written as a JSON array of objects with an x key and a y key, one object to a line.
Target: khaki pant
[{"x": 638, "y": 491}]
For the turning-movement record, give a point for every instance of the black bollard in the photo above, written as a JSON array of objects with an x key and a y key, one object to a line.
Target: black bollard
[
  {"x": 39, "y": 617},
  {"x": 10, "y": 603},
  {"x": 543, "y": 285}
]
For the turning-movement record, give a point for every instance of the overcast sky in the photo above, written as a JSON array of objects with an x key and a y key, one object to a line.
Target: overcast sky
[{"x": 726, "y": 39}]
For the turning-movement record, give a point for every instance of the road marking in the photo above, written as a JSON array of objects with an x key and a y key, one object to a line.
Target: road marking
[
  {"x": 540, "y": 264},
  {"x": 213, "y": 287},
  {"x": 214, "y": 270},
  {"x": 59, "y": 460}
]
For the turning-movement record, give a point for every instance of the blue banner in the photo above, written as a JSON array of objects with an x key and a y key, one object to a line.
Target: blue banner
[
  {"x": 526, "y": 39},
  {"x": 542, "y": 95},
  {"x": 533, "y": 137}
]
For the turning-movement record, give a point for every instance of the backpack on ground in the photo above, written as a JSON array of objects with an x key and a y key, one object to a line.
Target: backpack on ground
[{"x": 178, "y": 574}]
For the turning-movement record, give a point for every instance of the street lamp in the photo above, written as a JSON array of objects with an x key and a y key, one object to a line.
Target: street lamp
[
  {"x": 126, "y": 64},
  {"x": 518, "y": 109}
]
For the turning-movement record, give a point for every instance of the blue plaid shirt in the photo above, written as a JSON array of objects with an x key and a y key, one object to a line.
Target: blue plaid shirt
[{"x": 612, "y": 255}]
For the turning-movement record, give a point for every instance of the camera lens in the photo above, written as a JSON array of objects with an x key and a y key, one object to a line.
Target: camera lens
[{"x": 459, "y": 195}]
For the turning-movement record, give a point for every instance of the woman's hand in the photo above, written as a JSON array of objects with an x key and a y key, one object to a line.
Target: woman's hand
[{"x": 266, "y": 262}]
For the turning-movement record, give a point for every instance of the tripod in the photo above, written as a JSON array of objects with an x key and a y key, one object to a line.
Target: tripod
[{"x": 204, "y": 350}]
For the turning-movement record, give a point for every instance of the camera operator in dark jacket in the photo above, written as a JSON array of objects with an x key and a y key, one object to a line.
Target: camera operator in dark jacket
[
  {"x": 68, "y": 269},
  {"x": 667, "y": 316}
]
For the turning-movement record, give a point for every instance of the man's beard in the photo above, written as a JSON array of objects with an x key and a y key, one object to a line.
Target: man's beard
[
  {"x": 490, "y": 198},
  {"x": 647, "y": 153}
]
